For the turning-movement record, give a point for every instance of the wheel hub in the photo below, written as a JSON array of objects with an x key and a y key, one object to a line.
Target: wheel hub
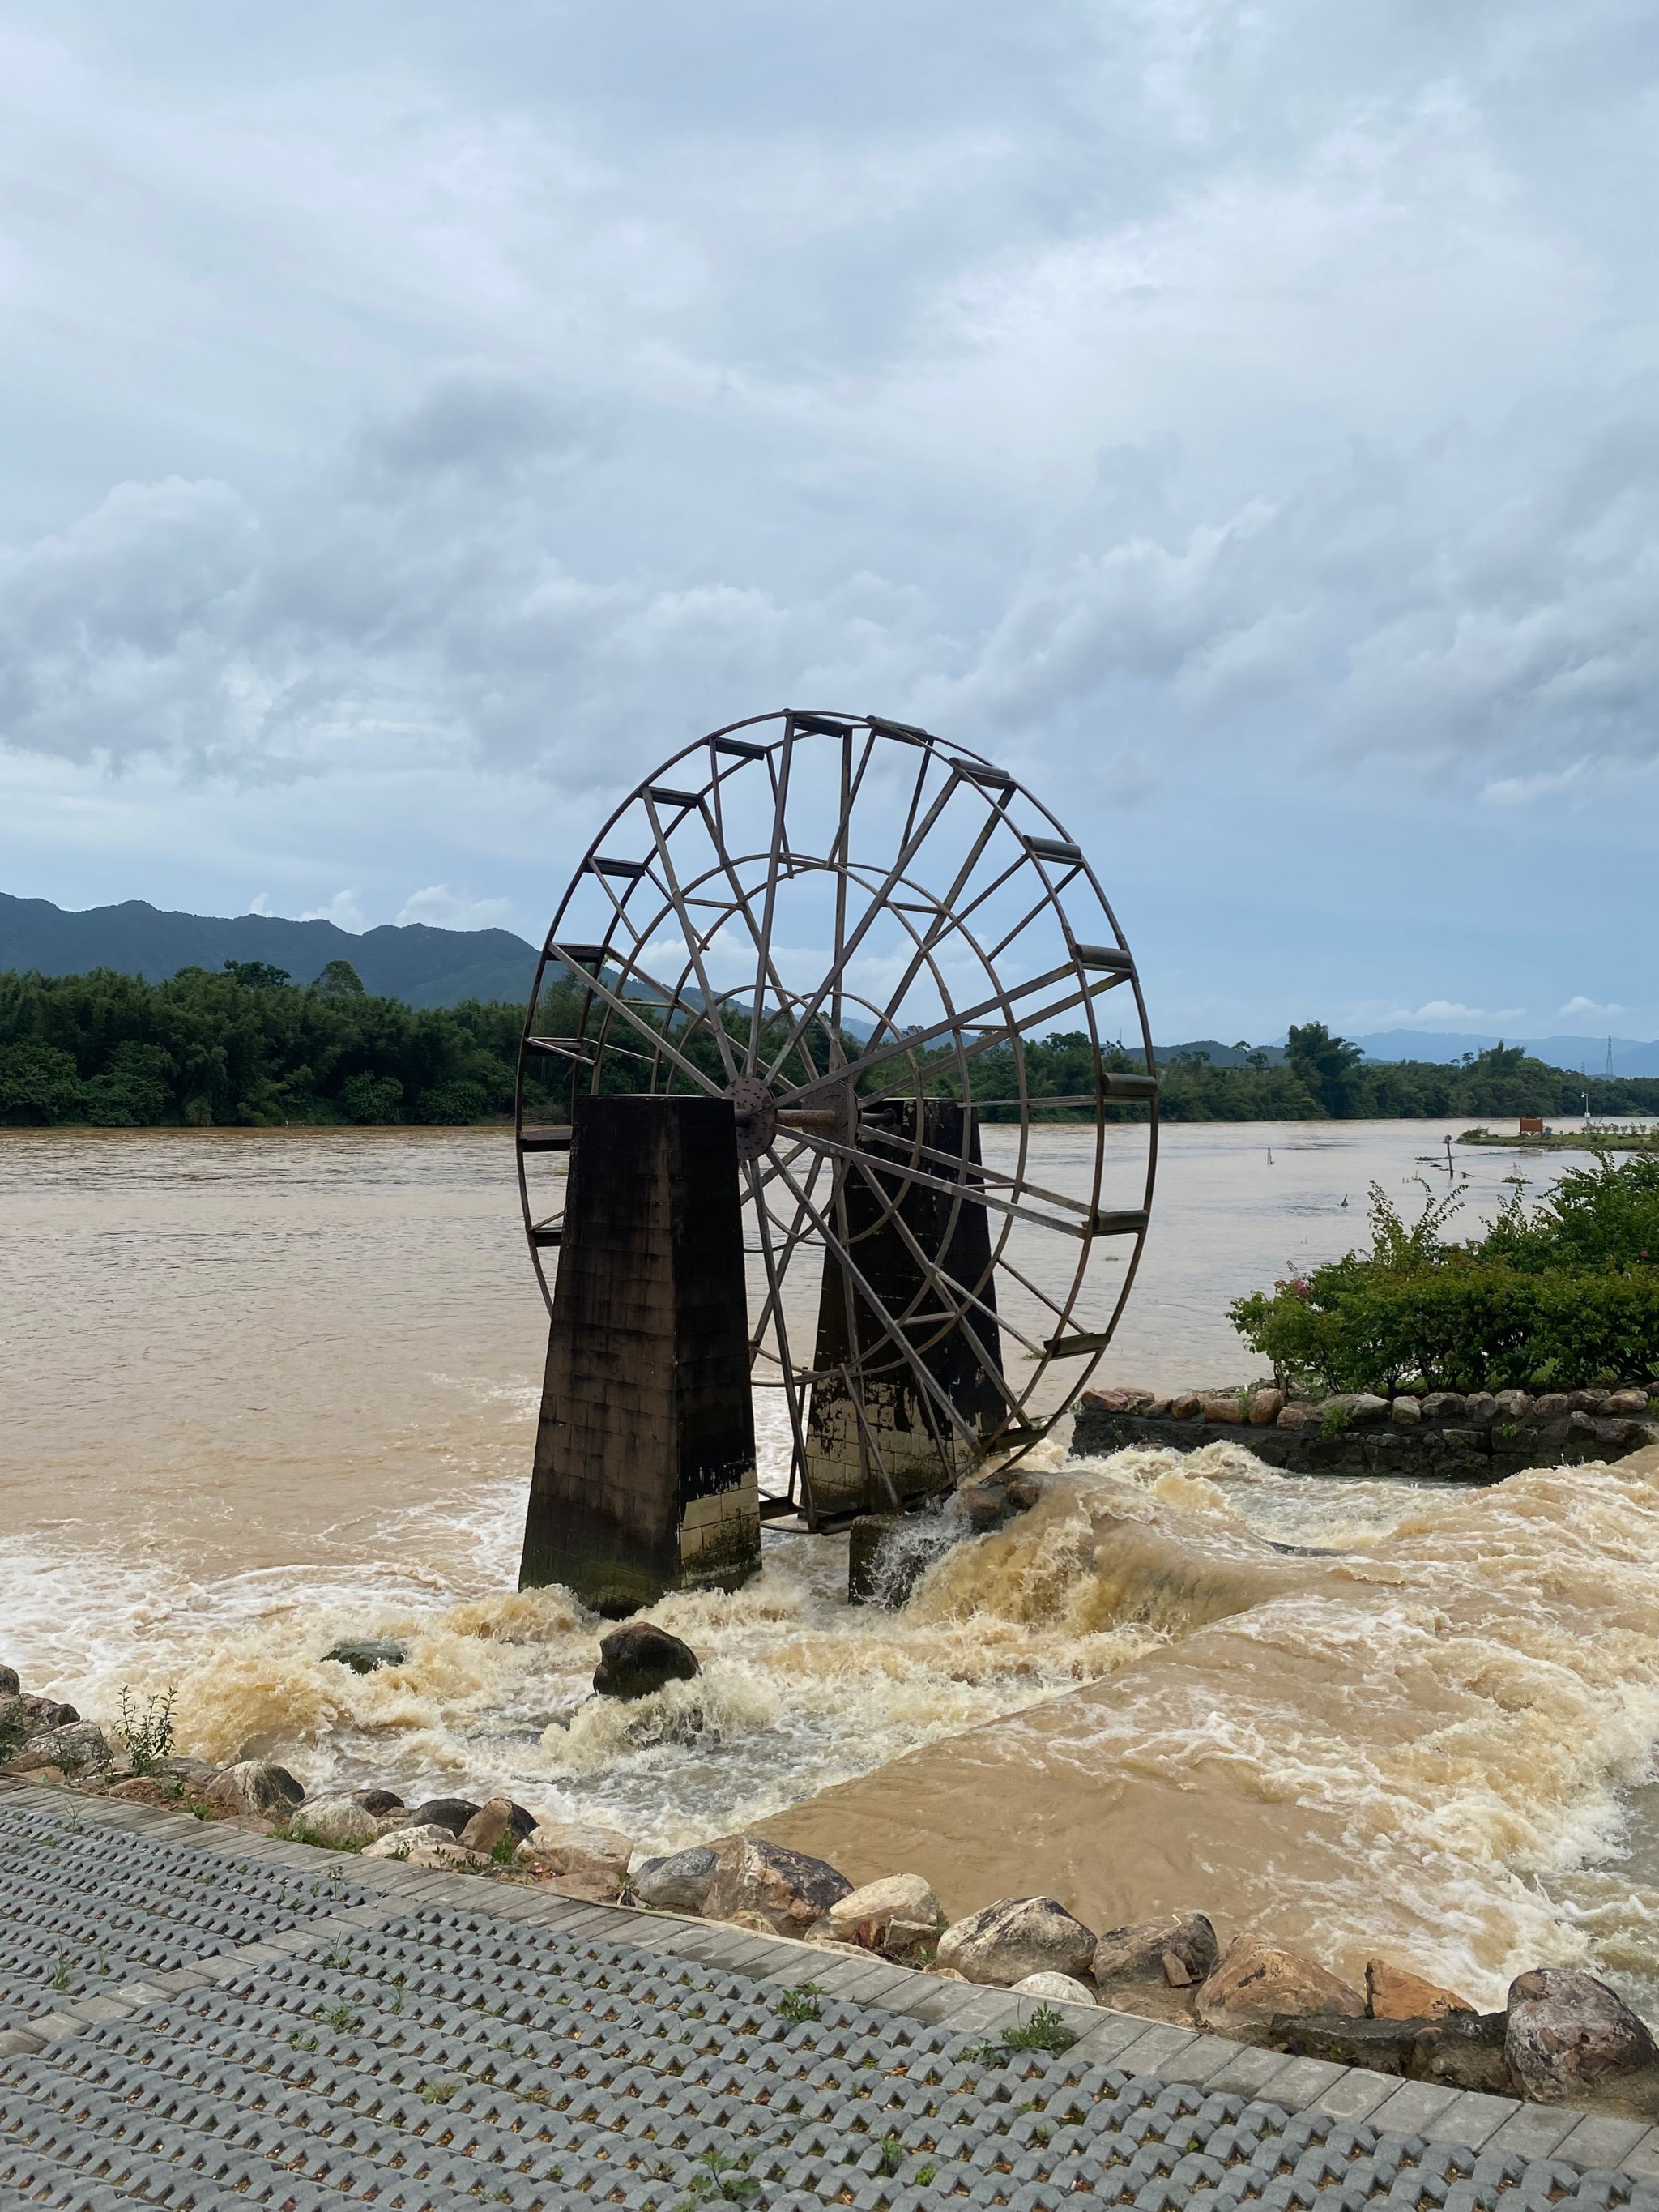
[{"x": 757, "y": 1112}]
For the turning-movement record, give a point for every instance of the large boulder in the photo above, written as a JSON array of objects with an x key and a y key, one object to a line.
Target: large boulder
[
  {"x": 493, "y": 1820},
  {"x": 23, "y": 1714},
  {"x": 195, "y": 1774},
  {"x": 425, "y": 1845},
  {"x": 1179, "y": 1950},
  {"x": 1257, "y": 1983},
  {"x": 366, "y": 1655},
  {"x": 640, "y": 1658},
  {"x": 787, "y": 1890},
  {"x": 75, "y": 1746},
  {"x": 10, "y": 1686},
  {"x": 678, "y": 1882},
  {"x": 1568, "y": 2032},
  {"x": 1054, "y": 1989},
  {"x": 1394, "y": 1993},
  {"x": 254, "y": 1785},
  {"x": 451, "y": 1813},
  {"x": 378, "y": 1801},
  {"x": 578, "y": 1856},
  {"x": 340, "y": 1822},
  {"x": 898, "y": 1915},
  {"x": 1014, "y": 1937}
]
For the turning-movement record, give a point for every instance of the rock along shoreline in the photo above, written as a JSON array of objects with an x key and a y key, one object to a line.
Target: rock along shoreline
[{"x": 1447, "y": 1435}]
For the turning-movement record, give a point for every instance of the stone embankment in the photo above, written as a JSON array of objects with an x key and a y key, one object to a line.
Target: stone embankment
[
  {"x": 1563, "y": 2036},
  {"x": 1481, "y": 1437}
]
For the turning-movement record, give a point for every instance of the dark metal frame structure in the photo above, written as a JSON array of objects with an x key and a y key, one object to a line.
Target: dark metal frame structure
[{"x": 818, "y": 1073}]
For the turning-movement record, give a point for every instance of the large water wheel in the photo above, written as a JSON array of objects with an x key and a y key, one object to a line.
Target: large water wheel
[{"x": 843, "y": 934}]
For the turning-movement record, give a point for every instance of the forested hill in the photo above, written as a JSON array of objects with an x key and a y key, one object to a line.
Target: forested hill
[
  {"x": 248, "y": 1045},
  {"x": 421, "y": 965}
]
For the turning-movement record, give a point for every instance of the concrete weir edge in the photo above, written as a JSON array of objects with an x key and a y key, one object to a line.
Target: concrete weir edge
[{"x": 1172, "y": 2054}]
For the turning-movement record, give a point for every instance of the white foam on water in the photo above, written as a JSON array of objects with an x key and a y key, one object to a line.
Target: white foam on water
[{"x": 1461, "y": 1688}]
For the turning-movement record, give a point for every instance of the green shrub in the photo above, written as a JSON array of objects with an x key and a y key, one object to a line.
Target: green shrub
[
  {"x": 147, "y": 1735},
  {"x": 1565, "y": 1296}
]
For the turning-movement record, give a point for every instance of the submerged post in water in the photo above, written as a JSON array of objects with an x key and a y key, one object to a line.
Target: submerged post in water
[{"x": 644, "y": 1478}]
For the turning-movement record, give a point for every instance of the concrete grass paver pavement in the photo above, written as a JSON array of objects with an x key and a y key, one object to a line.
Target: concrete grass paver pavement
[{"x": 200, "y": 2019}]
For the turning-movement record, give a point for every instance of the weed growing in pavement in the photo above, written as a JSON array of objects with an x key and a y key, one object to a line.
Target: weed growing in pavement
[{"x": 798, "y": 2004}]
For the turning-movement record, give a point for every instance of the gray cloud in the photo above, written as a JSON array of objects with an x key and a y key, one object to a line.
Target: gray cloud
[{"x": 406, "y": 397}]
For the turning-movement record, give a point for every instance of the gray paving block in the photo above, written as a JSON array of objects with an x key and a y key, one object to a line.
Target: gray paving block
[
  {"x": 144, "y": 1993},
  {"x": 986, "y": 2008},
  {"x": 1204, "y": 2055},
  {"x": 680, "y": 1942},
  {"x": 1472, "y": 2117},
  {"x": 93, "y": 2010},
  {"x": 1151, "y": 2052},
  {"x": 19, "y": 2042},
  {"x": 1356, "y": 2094},
  {"x": 1601, "y": 2142},
  {"x": 1413, "y": 2108},
  {"x": 734, "y": 1952},
  {"x": 1301, "y": 2082},
  {"x": 931, "y": 2001},
  {"x": 1534, "y": 2131},
  {"x": 1249, "y": 2073},
  {"x": 1111, "y": 2033},
  {"x": 1643, "y": 2158},
  {"x": 221, "y": 1968}
]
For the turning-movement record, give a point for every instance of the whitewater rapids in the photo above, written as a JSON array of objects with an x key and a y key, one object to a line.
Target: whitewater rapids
[{"x": 1363, "y": 1718}]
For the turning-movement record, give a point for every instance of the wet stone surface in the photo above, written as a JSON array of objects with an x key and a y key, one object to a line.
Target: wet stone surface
[{"x": 410, "y": 2051}]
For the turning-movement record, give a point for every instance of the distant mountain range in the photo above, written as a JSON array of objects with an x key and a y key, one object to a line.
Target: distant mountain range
[
  {"x": 1219, "y": 1055},
  {"x": 428, "y": 967},
  {"x": 1630, "y": 1057},
  {"x": 423, "y": 966}
]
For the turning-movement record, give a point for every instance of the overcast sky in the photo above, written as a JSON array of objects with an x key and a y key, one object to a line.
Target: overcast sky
[{"x": 1241, "y": 419}]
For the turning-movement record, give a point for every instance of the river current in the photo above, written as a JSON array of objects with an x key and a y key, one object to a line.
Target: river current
[{"x": 262, "y": 1390}]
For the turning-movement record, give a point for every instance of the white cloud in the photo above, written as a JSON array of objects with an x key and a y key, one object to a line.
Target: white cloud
[
  {"x": 443, "y": 908},
  {"x": 343, "y": 910},
  {"x": 1579, "y": 1007}
]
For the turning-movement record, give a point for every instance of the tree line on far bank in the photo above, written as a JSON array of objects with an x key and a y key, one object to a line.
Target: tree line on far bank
[{"x": 245, "y": 1046}]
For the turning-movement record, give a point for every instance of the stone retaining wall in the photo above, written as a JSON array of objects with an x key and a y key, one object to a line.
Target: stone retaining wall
[{"x": 1443, "y": 1435}]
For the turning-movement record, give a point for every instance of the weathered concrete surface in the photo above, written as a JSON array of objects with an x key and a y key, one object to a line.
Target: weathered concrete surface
[
  {"x": 644, "y": 1477},
  {"x": 304, "y": 2030}
]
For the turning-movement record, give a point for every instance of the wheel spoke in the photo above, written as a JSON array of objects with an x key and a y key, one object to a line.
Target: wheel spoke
[
  {"x": 914, "y": 838},
  {"x": 977, "y": 1169},
  {"x": 885, "y": 1320},
  {"x": 932, "y": 1268},
  {"x": 620, "y": 1005},
  {"x": 915, "y": 1039},
  {"x": 693, "y": 941}
]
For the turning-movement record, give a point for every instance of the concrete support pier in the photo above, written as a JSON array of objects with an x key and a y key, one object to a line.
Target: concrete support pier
[
  {"x": 893, "y": 1444},
  {"x": 644, "y": 1477}
]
